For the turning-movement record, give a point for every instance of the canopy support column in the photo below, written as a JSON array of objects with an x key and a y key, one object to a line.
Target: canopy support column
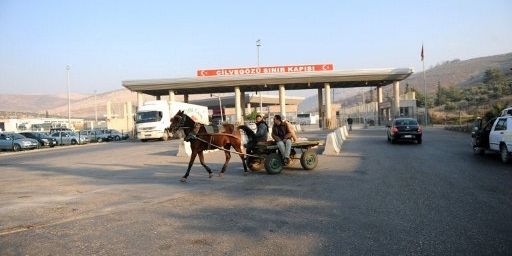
[
  {"x": 396, "y": 99},
  {"x": 320, "y": 108},
  {"x": 379, "y": 102},
  {"x": 282, "y": 101},
  {"x": 172, "y": 96},
  {"x": 238, "y": 106},
  {"x": 328, "y": 106},
  {"x": 140, "y": 99}
]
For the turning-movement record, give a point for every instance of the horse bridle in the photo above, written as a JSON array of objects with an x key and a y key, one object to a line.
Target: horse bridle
[{"x": 180, "y": 123}]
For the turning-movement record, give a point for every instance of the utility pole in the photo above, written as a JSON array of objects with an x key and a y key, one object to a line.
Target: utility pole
[
  {"x": 258, "y": 45},
  {"x": 364, "y": 111},
  {"x": 69, "y": 96},
  {"x": 424, "y": 85},
  {"x": 95, "y": 109}
]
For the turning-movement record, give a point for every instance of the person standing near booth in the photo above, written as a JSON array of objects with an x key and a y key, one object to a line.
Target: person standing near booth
[{"x": 349, "y": 122}]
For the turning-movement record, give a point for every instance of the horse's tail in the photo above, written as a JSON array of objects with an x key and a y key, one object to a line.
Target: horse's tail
[{"x": 248, "y": 131}]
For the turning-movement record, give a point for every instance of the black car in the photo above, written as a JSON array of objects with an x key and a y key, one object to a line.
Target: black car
[
  {"x": 43, "y": 139},
  {"x": 404, "y": 129}
]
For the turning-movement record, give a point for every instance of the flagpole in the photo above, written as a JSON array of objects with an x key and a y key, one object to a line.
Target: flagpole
[{"x": 424, "y": 85}]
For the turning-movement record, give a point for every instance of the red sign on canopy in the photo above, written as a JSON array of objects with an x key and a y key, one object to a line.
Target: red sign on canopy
[{"x": 264, "y": 70}]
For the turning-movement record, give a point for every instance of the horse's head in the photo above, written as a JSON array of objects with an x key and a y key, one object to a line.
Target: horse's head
[{"x": 178, "y": 121}]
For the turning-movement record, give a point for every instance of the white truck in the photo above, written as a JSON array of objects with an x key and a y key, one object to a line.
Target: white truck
[
  {"x": 495, "y": 136},
  {"x": 153, "y": 118}
]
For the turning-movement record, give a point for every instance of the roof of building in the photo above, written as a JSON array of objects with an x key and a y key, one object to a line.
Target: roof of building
[{"x": 268, "y": 82}]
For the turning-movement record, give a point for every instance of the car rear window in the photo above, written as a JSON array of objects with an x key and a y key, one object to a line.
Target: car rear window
[{"x": 403, "y": 122}]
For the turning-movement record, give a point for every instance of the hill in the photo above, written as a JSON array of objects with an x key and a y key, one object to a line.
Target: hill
[
  {"x": 35, "y": 103},
  {"x": 82, "y": 105},
  {"x": 459, "y": 73},
  {"x": 454, "y": 73},
  {"x": 84, "y": 108}
]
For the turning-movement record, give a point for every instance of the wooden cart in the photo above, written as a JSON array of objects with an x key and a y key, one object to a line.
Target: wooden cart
[{"x": 267, "y": 156}]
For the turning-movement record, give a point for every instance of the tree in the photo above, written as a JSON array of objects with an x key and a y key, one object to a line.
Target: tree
[
  {"x": 440, "y": 95},
  {"x": 494, "y": 111},
  {"x": 449, "y": 106},
  {"x": 492, "y": 76},
  {"x": 495, "y": 81},
  {"x": 251, "y": 116},
  {"x": 420, "y": 99}
]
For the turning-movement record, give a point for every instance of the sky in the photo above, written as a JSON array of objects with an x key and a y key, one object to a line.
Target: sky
[{"x": 106, "y": 42}]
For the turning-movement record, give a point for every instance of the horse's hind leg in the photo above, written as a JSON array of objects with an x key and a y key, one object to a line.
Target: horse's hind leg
[
  {"x": 201, "y": 158},
  {"x": 190, "y": 163},
  {"x": 228, "y": 157},
  {"x": 238, "y": 148}
]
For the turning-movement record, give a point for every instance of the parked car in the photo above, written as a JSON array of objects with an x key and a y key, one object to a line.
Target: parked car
[
  {"x": 60, "y": 129},
  {"x": 42, "y": 138},
  {"x": 507, "y": 112},
  {"x": 495, "y": 136},
  {"x": 404, "y": 129},
  {"x": 116, "y": 135},
  {"x": 95, "y": 135},
  {"x": 16, "y": 142},
  {"x": 69, "y": 138}
]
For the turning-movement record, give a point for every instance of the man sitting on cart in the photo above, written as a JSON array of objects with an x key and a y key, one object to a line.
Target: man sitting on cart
[
  {"x": 262, "y": 129},
  {"x": 261, "y": 133},
  {"x": 284, "y": 134}
]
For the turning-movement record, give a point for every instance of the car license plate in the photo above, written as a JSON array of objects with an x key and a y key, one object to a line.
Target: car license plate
[
  {"x": 407, "y": 136},
  {"x": 148, "y": 134}
]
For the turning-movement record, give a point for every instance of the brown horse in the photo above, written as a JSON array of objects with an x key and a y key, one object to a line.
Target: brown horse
[{"x": 200, "y": 140}]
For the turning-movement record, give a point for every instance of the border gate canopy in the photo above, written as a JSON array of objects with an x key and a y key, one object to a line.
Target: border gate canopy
[{"x": 270, "y": 82}]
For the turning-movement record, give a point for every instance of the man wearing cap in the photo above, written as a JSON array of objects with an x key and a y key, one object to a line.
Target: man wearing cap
[{"x": 283, "y": 133}]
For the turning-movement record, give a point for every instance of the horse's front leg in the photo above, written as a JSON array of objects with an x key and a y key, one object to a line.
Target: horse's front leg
[
  {"x": 228, "y": 156},
  {"x": 190, "y": 163},
  {"x": 201, "y": 158}
]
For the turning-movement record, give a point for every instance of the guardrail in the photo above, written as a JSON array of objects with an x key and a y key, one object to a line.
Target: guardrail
[{"x": 467, "y": 128}]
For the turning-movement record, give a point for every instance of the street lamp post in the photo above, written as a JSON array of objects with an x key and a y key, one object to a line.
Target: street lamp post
[
  {"x": 364, "y": 111},
  {"x": 69, "y": 96},
  {"x": 258, "y": 45},
  {"x": 95, "y": 109}
]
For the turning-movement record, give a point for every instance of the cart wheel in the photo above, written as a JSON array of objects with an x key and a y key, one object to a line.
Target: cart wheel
[
  {"x": 255, "y": 164},
  {"x": 273, "y": 163},
  {"x": 308, "y": 160}
]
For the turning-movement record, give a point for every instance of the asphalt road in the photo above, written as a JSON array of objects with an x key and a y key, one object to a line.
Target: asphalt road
[{"x": 374, "y": 199}]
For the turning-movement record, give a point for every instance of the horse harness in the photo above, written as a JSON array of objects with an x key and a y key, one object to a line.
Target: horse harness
[{"x": 195, "y": 134}]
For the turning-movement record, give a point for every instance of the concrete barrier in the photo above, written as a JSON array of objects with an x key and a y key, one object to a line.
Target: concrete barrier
[
  {"x": 345, "y": 130},
  {"x": 339, "y": 136},
  {"x": 341, "y": 133},
  {"x": 184, "y": 149},
  {"x": 298, "y": 128},
  {"x": 331, "y": 145}
]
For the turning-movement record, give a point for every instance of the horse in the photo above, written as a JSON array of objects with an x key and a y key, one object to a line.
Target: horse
[{"x": 201, "y": 140}]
